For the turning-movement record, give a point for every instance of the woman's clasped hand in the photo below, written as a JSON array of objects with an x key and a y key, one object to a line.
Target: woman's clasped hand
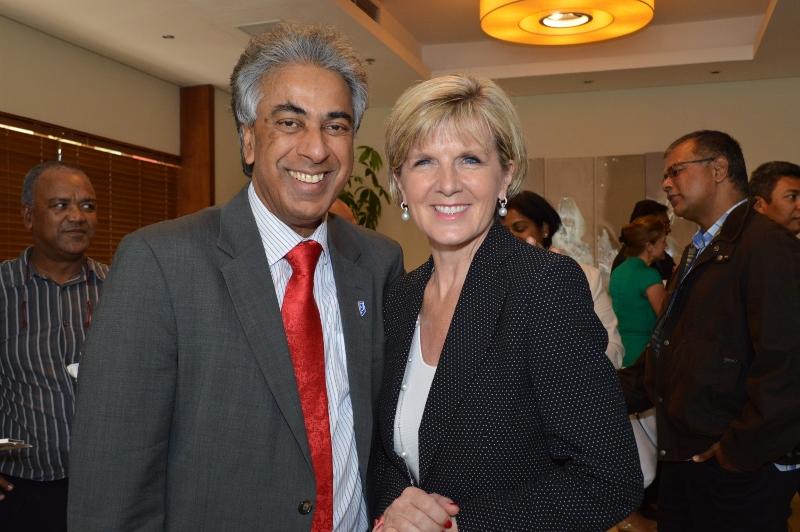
[{"x": 416, "y": 510}]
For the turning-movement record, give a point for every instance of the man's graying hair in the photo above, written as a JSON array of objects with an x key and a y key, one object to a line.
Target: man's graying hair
[
  {"x": 293, "y": 44},
  {"x": 29, "y": 182}
]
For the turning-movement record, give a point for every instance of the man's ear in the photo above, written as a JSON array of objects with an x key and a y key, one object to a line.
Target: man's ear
[
  {"x": 27, "y": 217},
  {"x": 248, "y": 144},
  {"x": 720, "y": 169},
  {"x": 760, "y": 205}
]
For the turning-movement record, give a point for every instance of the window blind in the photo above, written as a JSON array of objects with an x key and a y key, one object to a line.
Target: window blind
[{"x": 134, "y": 186}]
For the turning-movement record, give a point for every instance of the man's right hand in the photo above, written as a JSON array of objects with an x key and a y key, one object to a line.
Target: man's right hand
[{"x": 5, "y": 485}]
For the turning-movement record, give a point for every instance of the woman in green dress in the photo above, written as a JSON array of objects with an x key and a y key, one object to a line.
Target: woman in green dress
[{"x": 636, "y": 290}]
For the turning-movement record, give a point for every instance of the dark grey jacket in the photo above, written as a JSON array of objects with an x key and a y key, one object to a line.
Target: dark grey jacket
[
  {"x": 188, "y": 417},
  {"x": 729, "y": 365}
]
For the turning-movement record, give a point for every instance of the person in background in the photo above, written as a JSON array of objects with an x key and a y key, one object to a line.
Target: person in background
[
  {"x": 636, "y": 289},
  {"x": 775, "y": 186},
  {"x": 638, "y": 295},
  {"x": 532, "y": 219},
  {"x": 498, "y": 409},
  {"x": 722, "y": 364},
  {"x": 47, "y": 297},
  {"x": 775, "y": 189},
  {"x": 648, "y": 207},
  {"x": 230, "y": 379}
]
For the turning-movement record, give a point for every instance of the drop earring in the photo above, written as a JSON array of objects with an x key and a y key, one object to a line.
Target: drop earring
[
  {"x": 405, "y": 216},
  {"x": 502, "y": 211}
]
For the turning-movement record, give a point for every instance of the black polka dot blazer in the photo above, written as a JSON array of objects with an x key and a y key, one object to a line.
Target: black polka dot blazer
[{"x": 525, "y": 425}]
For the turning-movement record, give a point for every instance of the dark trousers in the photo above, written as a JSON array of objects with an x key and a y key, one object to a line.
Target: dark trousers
[
  {"x": 705, "y": 497},
  {"x": 34, "y": 506}
]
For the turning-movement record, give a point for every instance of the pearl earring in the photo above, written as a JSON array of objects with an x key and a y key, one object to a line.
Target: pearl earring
[
  {"x": 502, "y": 211},
  {"x": 405, "y": 216}
]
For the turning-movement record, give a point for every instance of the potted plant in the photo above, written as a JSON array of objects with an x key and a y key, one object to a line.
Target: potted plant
[{"x": 363, "y": 193}]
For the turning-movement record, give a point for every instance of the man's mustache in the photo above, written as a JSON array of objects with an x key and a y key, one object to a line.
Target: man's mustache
[{"x": 75, "y": 226}]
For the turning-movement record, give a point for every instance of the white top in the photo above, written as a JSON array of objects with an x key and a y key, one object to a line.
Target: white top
[
  {"x": 349, "y": 507},
  {"x": 615, "y": 351},
  {"x": 411, "y": 405}
]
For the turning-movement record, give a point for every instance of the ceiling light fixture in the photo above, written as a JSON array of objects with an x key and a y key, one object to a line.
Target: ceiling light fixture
[
  {"x": 558, "y": 22},
  {"x": 565, "y": 20}
]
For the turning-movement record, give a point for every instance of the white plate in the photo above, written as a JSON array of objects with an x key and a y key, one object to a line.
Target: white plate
[{"x": 7, "y": 444}]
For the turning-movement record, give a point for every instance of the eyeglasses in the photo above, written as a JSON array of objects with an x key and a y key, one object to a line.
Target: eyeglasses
[{"x": 674, "y": 170}]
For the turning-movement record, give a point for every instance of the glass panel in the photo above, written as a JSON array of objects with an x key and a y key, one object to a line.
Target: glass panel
[
  {"x": 682, "y": 230},
  {"x": 619, "y": 184},
  {"x": 569, "y": 187}
]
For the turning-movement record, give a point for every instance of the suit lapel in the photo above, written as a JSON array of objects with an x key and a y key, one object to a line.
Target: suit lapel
[
  {"x": 253, "y": 294},
  {"x": 398, "y": 345},
  {"x": 471, "y": 331},
  {"x": 357, "y": 310}
]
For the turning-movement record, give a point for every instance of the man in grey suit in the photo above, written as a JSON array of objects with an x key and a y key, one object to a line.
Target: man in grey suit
[{"x": 189, "y": 415}]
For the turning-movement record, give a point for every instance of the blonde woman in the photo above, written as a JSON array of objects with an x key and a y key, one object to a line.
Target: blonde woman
[{"x": 499, "y": 410}]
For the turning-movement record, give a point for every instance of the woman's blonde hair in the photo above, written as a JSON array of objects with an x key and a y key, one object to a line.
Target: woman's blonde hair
[{"x": 458, "y": 102}]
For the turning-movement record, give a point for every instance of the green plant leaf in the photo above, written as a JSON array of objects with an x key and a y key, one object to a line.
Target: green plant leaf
[{"x": 363, "y": 191}]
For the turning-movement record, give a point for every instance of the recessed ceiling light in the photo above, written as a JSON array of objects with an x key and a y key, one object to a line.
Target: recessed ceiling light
[{"x": 565, "y": 20}]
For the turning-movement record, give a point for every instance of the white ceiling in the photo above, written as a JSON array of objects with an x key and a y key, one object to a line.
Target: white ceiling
[{"x": 689, "y": 41}]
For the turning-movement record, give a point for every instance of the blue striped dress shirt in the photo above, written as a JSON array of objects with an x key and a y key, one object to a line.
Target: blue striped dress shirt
[{"x": 349, "y": 507}]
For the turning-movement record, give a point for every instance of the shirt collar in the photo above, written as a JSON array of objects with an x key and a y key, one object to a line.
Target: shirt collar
[
  {"x": 277, "y": 237},
  {"x": 702, "y": 239},
  {"x": 90, "y": 267}
]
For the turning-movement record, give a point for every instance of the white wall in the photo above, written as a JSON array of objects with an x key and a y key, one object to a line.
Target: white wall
[
  {"x": 47, "y": 79},
  {"x": 761, "y": 115}
]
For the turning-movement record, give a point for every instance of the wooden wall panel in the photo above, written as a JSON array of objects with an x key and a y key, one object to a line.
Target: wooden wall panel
[{"x": 196, "y": 186}]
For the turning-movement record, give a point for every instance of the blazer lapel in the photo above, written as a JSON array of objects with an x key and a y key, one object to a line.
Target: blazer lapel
[
  {"x": 357, "y": 310},
  {"x": 397, "y": 349},
  {"x": 253, "y": 294},
  {"x": 471, "y": 330}
]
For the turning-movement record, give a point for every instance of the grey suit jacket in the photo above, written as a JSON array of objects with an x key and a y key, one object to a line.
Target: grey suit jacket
[{"x": 187, "y": 414}]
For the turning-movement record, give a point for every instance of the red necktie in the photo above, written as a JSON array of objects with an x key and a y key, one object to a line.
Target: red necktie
[{"x": 304, "y": 336}]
